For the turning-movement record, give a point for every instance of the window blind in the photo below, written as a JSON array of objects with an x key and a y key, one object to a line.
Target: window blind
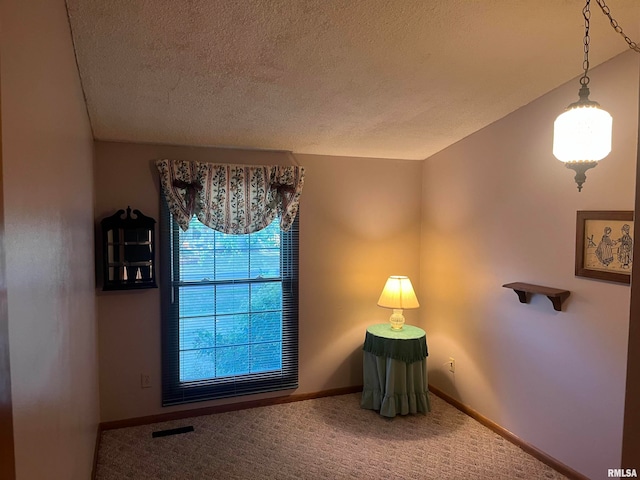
[{"x": 229, "y": 311}]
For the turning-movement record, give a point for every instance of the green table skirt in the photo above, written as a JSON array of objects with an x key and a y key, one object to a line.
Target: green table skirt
[
  {"x": 394, "y": 387},
  {"x": 408, "y": 344}
]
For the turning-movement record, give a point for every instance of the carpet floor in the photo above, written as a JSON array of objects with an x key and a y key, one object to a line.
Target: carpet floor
[{"x": 325, "y": 438}]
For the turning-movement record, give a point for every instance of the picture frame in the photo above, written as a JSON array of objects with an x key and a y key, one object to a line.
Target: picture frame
[{"x": 604, "y": 245}]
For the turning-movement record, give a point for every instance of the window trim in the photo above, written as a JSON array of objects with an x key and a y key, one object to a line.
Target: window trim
[{"x": 175, "y": 392}]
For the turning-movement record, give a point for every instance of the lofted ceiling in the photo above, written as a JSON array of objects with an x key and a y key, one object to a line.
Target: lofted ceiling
[{"x": 368, "y": 78}]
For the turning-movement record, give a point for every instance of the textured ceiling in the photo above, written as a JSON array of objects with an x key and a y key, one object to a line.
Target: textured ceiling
[{"x": 372, "y": 78}]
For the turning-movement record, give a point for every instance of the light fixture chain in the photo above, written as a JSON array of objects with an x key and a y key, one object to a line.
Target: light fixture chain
[
  {"x": 586, "y": 13},
  {"x": 616, "y": 26}
]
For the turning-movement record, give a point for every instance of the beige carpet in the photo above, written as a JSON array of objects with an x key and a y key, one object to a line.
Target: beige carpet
[{"x": 326, "y": 438}]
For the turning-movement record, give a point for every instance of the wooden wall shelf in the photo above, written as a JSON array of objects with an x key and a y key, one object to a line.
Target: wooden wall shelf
[{"x": 523, "y": 290}]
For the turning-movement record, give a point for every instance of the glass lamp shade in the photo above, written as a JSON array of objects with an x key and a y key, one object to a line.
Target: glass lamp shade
[{"x": 582, "y": 134}]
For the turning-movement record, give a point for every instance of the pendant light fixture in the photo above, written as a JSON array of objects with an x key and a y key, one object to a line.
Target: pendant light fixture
[{"x": 582, "y": 134}]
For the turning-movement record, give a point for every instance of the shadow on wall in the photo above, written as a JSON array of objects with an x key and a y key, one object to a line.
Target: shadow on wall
[{"x": 350, "y": 367}]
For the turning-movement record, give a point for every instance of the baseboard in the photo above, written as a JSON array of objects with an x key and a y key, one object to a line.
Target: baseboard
[
  {"x": 506, "y": 434},
  {"x": 265, "y": 402}
]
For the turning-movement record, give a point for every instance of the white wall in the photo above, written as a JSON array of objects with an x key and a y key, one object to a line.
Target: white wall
[
  {"x": 499, "y": 208},
  {"x": 48, "y": 199}
]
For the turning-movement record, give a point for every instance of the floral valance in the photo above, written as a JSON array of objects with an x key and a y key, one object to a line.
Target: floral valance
[{"x": 231, "y": 198}]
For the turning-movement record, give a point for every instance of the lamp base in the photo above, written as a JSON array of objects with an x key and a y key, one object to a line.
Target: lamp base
[{"x": 396, "y": 319}]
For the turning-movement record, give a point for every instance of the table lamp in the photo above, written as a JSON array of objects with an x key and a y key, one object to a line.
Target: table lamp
[{"x": 398, "y": 294}]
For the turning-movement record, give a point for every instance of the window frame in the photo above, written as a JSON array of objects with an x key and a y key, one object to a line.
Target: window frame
[{"x": 175, "y": 392}]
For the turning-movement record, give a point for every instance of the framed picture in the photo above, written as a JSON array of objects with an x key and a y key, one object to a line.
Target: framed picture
[{"x": 604, "y": 245}]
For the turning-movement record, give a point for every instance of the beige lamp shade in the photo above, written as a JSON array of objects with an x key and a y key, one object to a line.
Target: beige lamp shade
[{"x": 398, "y": 293}]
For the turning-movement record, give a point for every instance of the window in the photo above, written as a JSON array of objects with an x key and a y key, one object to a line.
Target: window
[{"x": 230, "y": 311}]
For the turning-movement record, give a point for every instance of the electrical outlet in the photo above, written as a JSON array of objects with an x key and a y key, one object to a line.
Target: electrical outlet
[
  {"x": 452, "y": 365},
  {"x": 145, "y": 380}
]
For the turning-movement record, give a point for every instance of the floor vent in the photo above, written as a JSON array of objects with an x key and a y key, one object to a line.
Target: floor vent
[{"x": 172, "y": 431}]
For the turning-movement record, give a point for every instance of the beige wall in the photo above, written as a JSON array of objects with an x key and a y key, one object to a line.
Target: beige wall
[
  {"x": 499, "y": 208},
  {"x": 48, "y": 198},
  {"x": 360, "y": 223}
]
